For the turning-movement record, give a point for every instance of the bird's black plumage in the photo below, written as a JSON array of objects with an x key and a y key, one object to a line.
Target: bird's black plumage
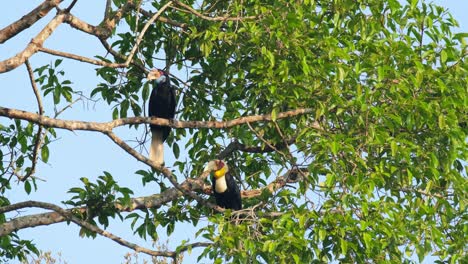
[
  {"x": 162, "y": 103},
  {"x": 231, "y": 198}
]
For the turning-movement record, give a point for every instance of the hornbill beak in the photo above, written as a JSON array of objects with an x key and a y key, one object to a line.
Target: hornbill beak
[{"x": 153, "y": 75}]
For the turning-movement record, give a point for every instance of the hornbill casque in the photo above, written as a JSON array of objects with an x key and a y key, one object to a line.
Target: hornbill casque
[
  {"x": 162, "y": 103},
  {"x": 225, "y": 189}
]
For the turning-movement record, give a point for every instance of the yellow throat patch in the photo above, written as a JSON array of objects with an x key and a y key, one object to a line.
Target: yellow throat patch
[{"x": 220, "y": 173}]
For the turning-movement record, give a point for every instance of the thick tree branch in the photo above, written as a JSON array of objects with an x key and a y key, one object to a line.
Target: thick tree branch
[
  {"x": 33, "y": 46},
  {"x": 146, "y": 202},
  {"x": 68, "y": 215},
  {"x": 29, "y": 19},
  {"x": 108, "y": 126}
]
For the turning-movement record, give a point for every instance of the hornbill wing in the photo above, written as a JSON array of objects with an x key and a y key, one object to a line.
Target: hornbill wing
[{"x": 236, "y": 201}]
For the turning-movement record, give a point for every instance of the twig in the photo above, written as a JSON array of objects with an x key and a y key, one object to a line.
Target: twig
[
  {"x": 143, "y": 31},
  {"x": 81, "y": 58},
  {"x": 266, "y": 142},
  {"x": 39, "y": 136},
  {"x": 69, "y": 8}
]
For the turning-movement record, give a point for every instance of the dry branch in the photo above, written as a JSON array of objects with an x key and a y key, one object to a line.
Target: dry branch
[
  {"x": 81, "y": 58},
  {"x": 29, "y": 19}
]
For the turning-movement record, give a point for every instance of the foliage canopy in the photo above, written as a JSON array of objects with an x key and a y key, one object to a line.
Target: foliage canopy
[{"x": 376, "y": 161}]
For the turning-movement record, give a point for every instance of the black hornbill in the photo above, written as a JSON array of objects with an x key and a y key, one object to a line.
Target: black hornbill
[
  {"x": 162, "y": 103},
  {"x": 225, "y": 189}
]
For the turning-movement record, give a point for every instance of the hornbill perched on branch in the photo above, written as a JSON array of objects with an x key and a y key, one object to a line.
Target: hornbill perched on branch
[
  {"x": 225, "y": 189},
  {"x": 162, "y": 103}
]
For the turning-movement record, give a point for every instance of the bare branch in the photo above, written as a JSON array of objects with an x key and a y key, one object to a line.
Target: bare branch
[
  {"x": 108, "y": 126},
  {"x": 69, "y": 8},
  {"x": 29, "y": 19},
  {"x": 33, "y": 46},
  {"x": 81, "y": 58}
]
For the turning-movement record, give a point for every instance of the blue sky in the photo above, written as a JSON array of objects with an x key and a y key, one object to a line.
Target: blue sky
[{"x": 85, "y": 154}]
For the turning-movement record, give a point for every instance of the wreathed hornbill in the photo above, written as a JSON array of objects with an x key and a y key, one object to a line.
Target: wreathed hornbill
[
  {"x": 225, "y": 189},
  {"x": 162, "y": 103}
]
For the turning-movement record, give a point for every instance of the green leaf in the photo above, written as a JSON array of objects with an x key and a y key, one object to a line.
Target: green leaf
[
  {"x": 27, "y": 187},
  {"x": 45, "y": 153},
  {"x": 443, "y": 56},
  {"x": 176, "y": 150},
  {"x": 57, "y": 62}
]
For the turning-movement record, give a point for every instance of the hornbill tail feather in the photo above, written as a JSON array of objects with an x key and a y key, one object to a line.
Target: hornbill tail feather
[{"x": 157, "y": 147}]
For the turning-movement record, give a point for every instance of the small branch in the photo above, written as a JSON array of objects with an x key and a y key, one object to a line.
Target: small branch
[
  {"x": 39, "y": 137},
  {"x": 33, "y": 46},
  {"x": 164, "y": 19},
  {"x": 81, "y": 58},
  {"x": 29, "y": 19},
  {"x": 266, "y": 142},
  {"x": 108, "y": 126},
  {"x": 200, "y": 15},
  {"x": 108, "y": 9},
  {"x": 143, "y": 31},
  {"x": 120, "y": 56},
  {"x": 69, "y": 8}
]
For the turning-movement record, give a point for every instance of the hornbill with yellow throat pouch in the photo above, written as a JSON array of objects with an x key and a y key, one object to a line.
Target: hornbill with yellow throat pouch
[
  {"x": 162, "y": 103},
  {"x": 225, "y": 189}
]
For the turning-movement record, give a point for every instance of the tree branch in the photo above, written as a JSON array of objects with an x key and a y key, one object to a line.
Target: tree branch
[
  {"x": 108, "y": 126},
  {"x": 39, "y": 137},
  {"x": 33, "y": 46},
  {"x": 68, "y": 215},
  {"x": 143, "y": 31},
  {"x": 146, "y": 202},
  {"x": 29, "y": 19},
  {"x": 167, "y": 173},
  {"x": 81, "y": 58}
]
